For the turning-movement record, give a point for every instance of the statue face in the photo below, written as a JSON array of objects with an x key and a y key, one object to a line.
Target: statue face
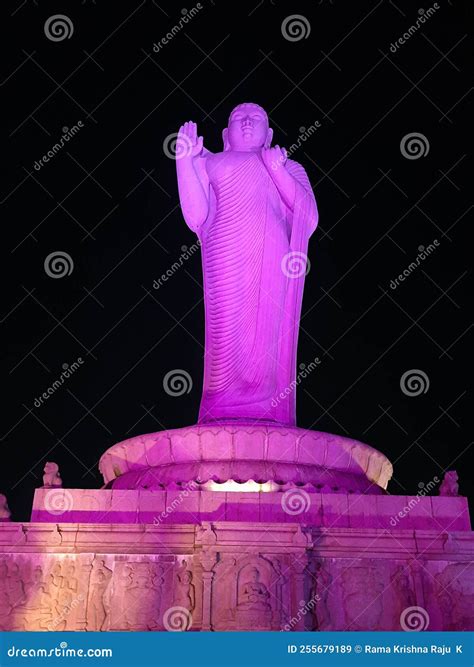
[{"x": 248, "y": 128}]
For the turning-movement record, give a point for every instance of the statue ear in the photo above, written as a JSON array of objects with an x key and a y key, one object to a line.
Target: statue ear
[
  {"x": 225, "y": 140},
  {"x": 268, "y": 140}
]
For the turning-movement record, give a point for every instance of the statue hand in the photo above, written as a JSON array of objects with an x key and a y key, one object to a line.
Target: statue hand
[
  {"x": 274, "y": 158},
  {"x": 189, "y": 144}
]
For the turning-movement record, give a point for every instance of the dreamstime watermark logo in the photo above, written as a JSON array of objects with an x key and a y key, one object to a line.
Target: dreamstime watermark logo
[
  {"x": 61, "y": 651},
  {"x": 423, "y": 253},
  {"x": 414, "y": 382},
  {"x": 58, "y": 28},
  {"x": 177, "y": 619},
  {"x": 177, "y": 146},
  {"x": 186, "y": 16},
  {"x": 295, "y": 264},
  {"x": 68, "y": 370},
  {"x": 58, "y": 264},
  {"x": 295, "y": 501},
  {"x": 414, "y": 145},
  {"x": 305, "y": 607},
  {"x": 67, "y": 135},
  {"x": 295, "y": 27},
  {"x": 414, "y": 619},
  {"x": 58, "y": 501},
  {"x": 176, "y": 502},
  {"x": 186, "y": 253},
  {"x": 424, "y": 490},
  {"x": 177, "y": 382},
  {"x": 303, "y": 373},
  {"x": 424, "y": 15},
  {"x": 304, "y": 135}
]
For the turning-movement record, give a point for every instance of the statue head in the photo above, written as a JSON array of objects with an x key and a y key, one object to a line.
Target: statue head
[
  {"x": 254, "y": 574},
  {"x": 51, "y": 467},
  {"x": 247, "y": 129}
]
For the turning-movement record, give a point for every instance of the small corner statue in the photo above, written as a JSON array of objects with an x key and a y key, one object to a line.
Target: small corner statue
[
  {"x": 51, "y": 477},
  {"x": 253, "y": 210},
  {"x": 449, "y": 486},
  {"x": 5, "y": 514}
]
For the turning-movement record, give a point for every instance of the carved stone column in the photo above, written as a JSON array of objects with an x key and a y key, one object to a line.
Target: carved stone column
[
  {"x": 206, "y": 539},
  {"x": 207, "y": 578},
  {"x": 416, "y": 568},
  {"x": 300, "y": 562}
]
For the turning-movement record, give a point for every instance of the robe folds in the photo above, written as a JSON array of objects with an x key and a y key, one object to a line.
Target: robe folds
[{"x": 254, "y": 259}]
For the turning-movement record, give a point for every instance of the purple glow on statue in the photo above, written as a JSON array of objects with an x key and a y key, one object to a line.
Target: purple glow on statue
[{"x": 254, "y": 211}]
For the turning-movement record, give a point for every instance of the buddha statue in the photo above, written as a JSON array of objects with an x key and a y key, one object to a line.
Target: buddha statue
[
  {"x": 254, "y": 594},
  {"x": 253, "y": 211}
]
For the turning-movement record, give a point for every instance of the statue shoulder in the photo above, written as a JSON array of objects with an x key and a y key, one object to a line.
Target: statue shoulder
[
  {"x": 298, "y": 171},
  {"x": 296, "y": 166},
  {"x": 207, "y": 154}
]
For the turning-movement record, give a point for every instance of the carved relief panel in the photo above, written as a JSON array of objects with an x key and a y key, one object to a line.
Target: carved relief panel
[{"x": 247, "y": 593}]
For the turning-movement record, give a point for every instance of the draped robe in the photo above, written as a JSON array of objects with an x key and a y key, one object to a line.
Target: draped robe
[{"x": 252, "y": 305}]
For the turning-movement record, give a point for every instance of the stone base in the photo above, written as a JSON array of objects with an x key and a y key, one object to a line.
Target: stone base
[
  {"x": 240, "y": 452},
  {"x": 222, "y": 575},
  {"x": 296, "y": 505}
]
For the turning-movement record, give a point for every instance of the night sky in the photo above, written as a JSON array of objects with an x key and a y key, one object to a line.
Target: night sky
[{"x": 108, "y": 200}]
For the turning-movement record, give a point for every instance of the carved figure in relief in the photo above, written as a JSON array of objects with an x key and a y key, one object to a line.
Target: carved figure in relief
[
  {"x": 97, "y": 611},
  {"x": 253, "y": 593},
  {"x": 403, "y": 594},
  {"x": 455, "y": 595},
  {"x": 185, "y": 593},
  {"x": 363, "y": 602},
  {"x": 142, "y": 599},
  {"x": 319, "y": 593}
]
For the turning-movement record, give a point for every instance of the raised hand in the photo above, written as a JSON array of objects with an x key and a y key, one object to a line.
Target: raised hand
[
  {"x": 274, "y": 158},
  {"x": 188, "y": 144}
]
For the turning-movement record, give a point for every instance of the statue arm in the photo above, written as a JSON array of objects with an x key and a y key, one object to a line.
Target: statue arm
[
  {"x": 286, "y": 186},
  {"x": 193, "y": 183},
  {"x": 304, "y": 194},
  {"x": 193, "y": 192},
  {"x": 290, "y": 179},
  {"x": 274, "y": 159}
]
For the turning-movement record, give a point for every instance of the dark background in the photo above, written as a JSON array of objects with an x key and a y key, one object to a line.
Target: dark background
[{"x": 109, "y": 199}]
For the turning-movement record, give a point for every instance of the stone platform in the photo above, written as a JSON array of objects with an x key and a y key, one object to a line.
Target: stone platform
[
  {"x": 228, "y": 575},
  {"x": 311, "y": 542},
  {"x": 296, "y": 505}
]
